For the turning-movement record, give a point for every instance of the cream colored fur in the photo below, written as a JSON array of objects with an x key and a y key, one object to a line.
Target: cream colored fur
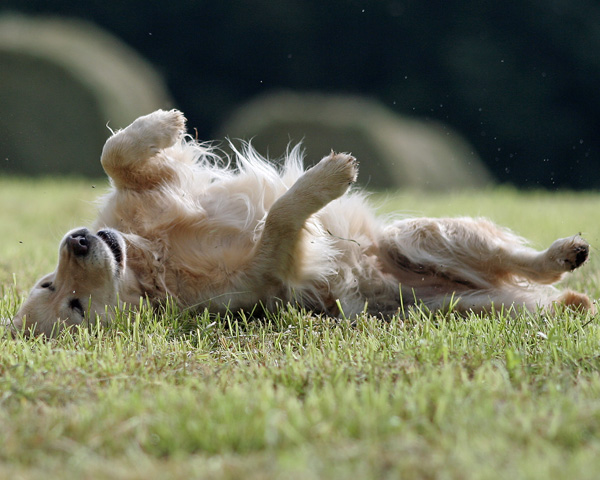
[{"x": 181, "y": 222}]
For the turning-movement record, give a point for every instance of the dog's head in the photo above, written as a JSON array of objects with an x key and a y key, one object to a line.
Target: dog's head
[{"x": 85, "y": 282}]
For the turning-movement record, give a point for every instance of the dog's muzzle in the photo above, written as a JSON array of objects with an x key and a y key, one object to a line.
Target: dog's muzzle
[{"x": 81, "y": 242}]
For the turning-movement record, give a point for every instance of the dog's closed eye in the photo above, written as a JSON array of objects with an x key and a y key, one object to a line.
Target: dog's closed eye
[
  {"x": 48, "y": 285},
  {"x": 75, "y": 305}
]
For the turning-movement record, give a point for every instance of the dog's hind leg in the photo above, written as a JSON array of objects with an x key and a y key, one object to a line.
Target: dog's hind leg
[
  {"x": 477, "y": 249},
  {"x": 277, "y": 256},
  {"x": 132, "y": 156},
  {"x": 467, "y": 256}
]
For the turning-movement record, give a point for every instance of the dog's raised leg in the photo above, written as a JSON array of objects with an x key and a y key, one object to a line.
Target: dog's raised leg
[
  {"x": 132, "y": 156},
  {"x": 469, "y": 248},
  {"x": 277, "y": 256},
  {"x": 470, "y": 255}
]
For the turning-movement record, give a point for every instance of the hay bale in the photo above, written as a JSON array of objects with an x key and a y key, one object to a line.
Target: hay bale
[
  {"x": 393, "y": 151},
  {"x": 61, "y": 82}
]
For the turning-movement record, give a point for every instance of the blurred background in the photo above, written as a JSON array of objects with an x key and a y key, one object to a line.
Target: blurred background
[{"x": 437, "y": 94}]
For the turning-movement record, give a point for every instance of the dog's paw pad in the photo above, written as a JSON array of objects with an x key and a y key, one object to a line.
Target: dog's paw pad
[{"x": 569, "y": 253}]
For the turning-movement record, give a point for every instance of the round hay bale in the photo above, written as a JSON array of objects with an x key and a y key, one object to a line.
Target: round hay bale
[
  {"x": 62, "y": 81},
  {"x": 393, "y": 151}
]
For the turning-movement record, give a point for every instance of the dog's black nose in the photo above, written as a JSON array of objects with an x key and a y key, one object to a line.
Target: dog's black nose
[{"x": 78, "y": 243}]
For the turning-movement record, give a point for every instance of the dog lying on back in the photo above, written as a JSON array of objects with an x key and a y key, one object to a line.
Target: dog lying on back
[{"x": 180, "y": 222}]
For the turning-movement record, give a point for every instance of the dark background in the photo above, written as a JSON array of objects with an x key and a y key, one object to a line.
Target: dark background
[{"x": 519, "y": 79}]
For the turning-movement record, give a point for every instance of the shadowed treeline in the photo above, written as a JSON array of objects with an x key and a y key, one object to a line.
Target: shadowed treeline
[{"x": 518, "y": 79}]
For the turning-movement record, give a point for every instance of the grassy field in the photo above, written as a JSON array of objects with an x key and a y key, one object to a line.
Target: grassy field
[{"x": 301, "y": 397}]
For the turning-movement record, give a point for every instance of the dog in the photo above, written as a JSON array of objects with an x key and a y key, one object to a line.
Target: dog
[{"x": 182, "y": 222}]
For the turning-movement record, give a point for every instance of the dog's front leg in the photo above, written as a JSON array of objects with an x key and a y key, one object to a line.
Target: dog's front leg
[
  {"x": 278, "y": 256},
  {"x": 132, "y": 156}
]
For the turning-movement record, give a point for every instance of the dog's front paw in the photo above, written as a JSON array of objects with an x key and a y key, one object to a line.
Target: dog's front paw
[
  {"x": 568, "y": 253},
  {"x": 341, "y": 167},
  {"x": 159, "y": 129},
  {"x": 331, "y": 177}
]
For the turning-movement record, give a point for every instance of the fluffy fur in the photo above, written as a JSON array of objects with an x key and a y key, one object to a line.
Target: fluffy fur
[{"x": 181, "y": 222}]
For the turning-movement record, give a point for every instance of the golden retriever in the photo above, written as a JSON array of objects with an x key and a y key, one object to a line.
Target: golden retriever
[{"x": 182, "y": 222}]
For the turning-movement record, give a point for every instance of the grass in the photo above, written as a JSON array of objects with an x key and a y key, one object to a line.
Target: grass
[{"x": 165, "y": 395}]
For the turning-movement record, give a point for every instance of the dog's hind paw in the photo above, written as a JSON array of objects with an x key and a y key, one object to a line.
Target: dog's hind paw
[
  {"x": 567, "y": 254},
  {"x": 576, "y": 301}
]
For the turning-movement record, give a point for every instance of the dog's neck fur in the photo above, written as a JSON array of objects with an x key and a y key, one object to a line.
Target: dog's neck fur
[{"x": 144, "y": 274}]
